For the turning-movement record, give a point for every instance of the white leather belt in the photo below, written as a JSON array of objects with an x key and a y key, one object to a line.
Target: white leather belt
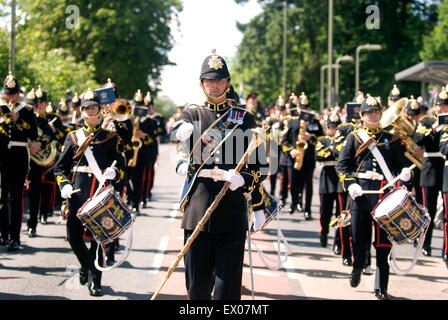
[
  {"x": 329, "y": 163},
  {"x": 433, "y": 155},
  {"x": 215, "y": 174},
  {"x": 371, "y": 175},
  {"x": 17, "y": 144},
  {"x": 83, "y": 169}
]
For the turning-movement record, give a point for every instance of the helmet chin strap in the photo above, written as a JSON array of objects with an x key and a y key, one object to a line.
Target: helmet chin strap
[{"x": 216, "y": 100}]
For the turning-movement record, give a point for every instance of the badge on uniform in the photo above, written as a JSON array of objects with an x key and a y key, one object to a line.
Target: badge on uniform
[
  {"x": 306, "y": 116},
  {"x": 106, "y": 95},
  {"x": 236, "y": 116},
  {"x": 442, "y": 118},
  {"x": 353, "y": 111}
]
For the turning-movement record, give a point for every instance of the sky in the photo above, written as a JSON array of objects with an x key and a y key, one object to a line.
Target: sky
[{"x": 204, "y": 25}]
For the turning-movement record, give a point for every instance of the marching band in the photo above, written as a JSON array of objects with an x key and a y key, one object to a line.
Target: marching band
[{"x": 61, "y": 157}]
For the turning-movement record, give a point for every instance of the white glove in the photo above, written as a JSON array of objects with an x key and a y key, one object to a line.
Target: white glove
[
  {"x": 259, "y": 219},
  {"x": 182, "y": 169},
  {"x": 184, "y": 131},
  {"x": 109, "y": 173},
  {"x": 405, "y": 175},
  {"x": 236, "y": 180},
  {"x": 66, "y": 191},
  {"x": 355, "y": 190}
]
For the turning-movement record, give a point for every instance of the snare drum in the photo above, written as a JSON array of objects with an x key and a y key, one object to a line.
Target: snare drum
[
  {"x": 106, "y": 216},
  {"x": 401, "y": 216}
]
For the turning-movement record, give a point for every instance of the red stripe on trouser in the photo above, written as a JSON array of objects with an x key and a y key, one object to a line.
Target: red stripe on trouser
[
  {"x": 445, "y": 226},
  {"x": 141, "y": 191}
]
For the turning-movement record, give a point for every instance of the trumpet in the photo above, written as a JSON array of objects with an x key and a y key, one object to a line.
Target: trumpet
[{"x": 121, "y": 110}]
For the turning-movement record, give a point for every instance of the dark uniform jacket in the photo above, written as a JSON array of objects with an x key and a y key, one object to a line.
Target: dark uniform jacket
[
  {"x": 230, "y": 214},
  {"x": 149, "y": 150},
  {"x": 444, "y": 150},
  {"x": 26, "y": 126},
  {"x": 328, "y": 182},
  {"x": 429, "y": 140},
  {"x": 348, "y": 164},
  {"x": 289, "y": 140},
  {"x": 106, "y": 147},
  {"x": 341, "y": 134}
]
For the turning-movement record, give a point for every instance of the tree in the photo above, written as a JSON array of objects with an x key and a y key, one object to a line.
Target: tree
[
  {"x": 127, "y": 41},
  {"x": 261, "y": 48}
]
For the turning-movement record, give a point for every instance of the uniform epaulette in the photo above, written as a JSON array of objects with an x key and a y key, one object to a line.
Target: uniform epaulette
[
  {"x": 346, "y": 124},
  {"x": 193, "y": 106}
]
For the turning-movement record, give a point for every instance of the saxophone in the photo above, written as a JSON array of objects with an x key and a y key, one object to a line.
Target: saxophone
[
  {"x": 301, "y": 146},
  {"x": 136, "y": 143}
]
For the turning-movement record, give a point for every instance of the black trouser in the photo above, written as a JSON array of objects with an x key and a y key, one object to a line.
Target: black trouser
[
  {"x": 445, "y": 226},
  {"x": 328, "y": 201},
  {"x": 302, "y": 179},
  {"x": 85, "y": 256},
  {"x": 344, "y": 232},
  {"x": 14, "y": 171},
  {"x": 215, "y": 260},
  {"x": 285, "y": 178},
  {"x": 40, "y": 193},
  {"x": 430, "y": 196},
  {"x": 361, "y": 222}
]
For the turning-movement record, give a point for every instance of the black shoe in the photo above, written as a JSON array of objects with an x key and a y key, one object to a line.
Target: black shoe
[
  {"x": 381, "y": 294},
  {"x": 307, "y": 215},
  {"x": 299, "y": 207},
  {"x": 336, "y": 249},
  {"x": 13, "y": 245},
  {"x": 426, "y": 251},
  {"x": 31, "y": 232},
  {"x": 83, "y": 276},
  {"x": 292, "y": 209},
  {"x": 43, "y": 220},
  {"x": 355, "y": 277},
  {"x": 347, "y": 262},
  {"x": 110, "y": 262},
  {"x": 323, "y": 240},
  {"x": 144, "y": 205},
  {"x": 281, "y": 203},
  {"x": 95, "y": 290},
  {"x": 445, "y": 258}
]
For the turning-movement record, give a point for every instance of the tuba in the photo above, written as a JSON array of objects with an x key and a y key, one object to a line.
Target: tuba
[
  {"x": 136, "y": 143},
  {"x": 396, "y": 116},
  {"x": 301, "y": 146},
  {"x": 46, "y": 155}
]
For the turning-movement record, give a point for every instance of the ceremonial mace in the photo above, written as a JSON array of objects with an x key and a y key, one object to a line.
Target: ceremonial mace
[{"x": 257, "y": 139}]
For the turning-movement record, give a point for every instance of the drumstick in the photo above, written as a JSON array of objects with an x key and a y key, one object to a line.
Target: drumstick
[
  {"x": 103, "y": 180},
  {"x": 391, "y": 183}
]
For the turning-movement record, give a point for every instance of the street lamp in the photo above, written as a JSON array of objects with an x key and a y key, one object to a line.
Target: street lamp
[
  {"x": 338, "y": 65},
  {"x": 358, "y": 49},
  {"x": 322, "y": 83}
]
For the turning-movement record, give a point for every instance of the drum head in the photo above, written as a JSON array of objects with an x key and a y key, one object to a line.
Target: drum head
[{"x": 390, "y": 201}]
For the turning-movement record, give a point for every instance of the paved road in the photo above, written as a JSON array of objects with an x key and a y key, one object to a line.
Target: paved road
[{"x": 45, "y": 268}]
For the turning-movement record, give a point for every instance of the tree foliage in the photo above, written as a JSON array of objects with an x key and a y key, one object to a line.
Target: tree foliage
[
  {"x": 403, "y": 24},
  {"x": 127, "y": 41}
]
